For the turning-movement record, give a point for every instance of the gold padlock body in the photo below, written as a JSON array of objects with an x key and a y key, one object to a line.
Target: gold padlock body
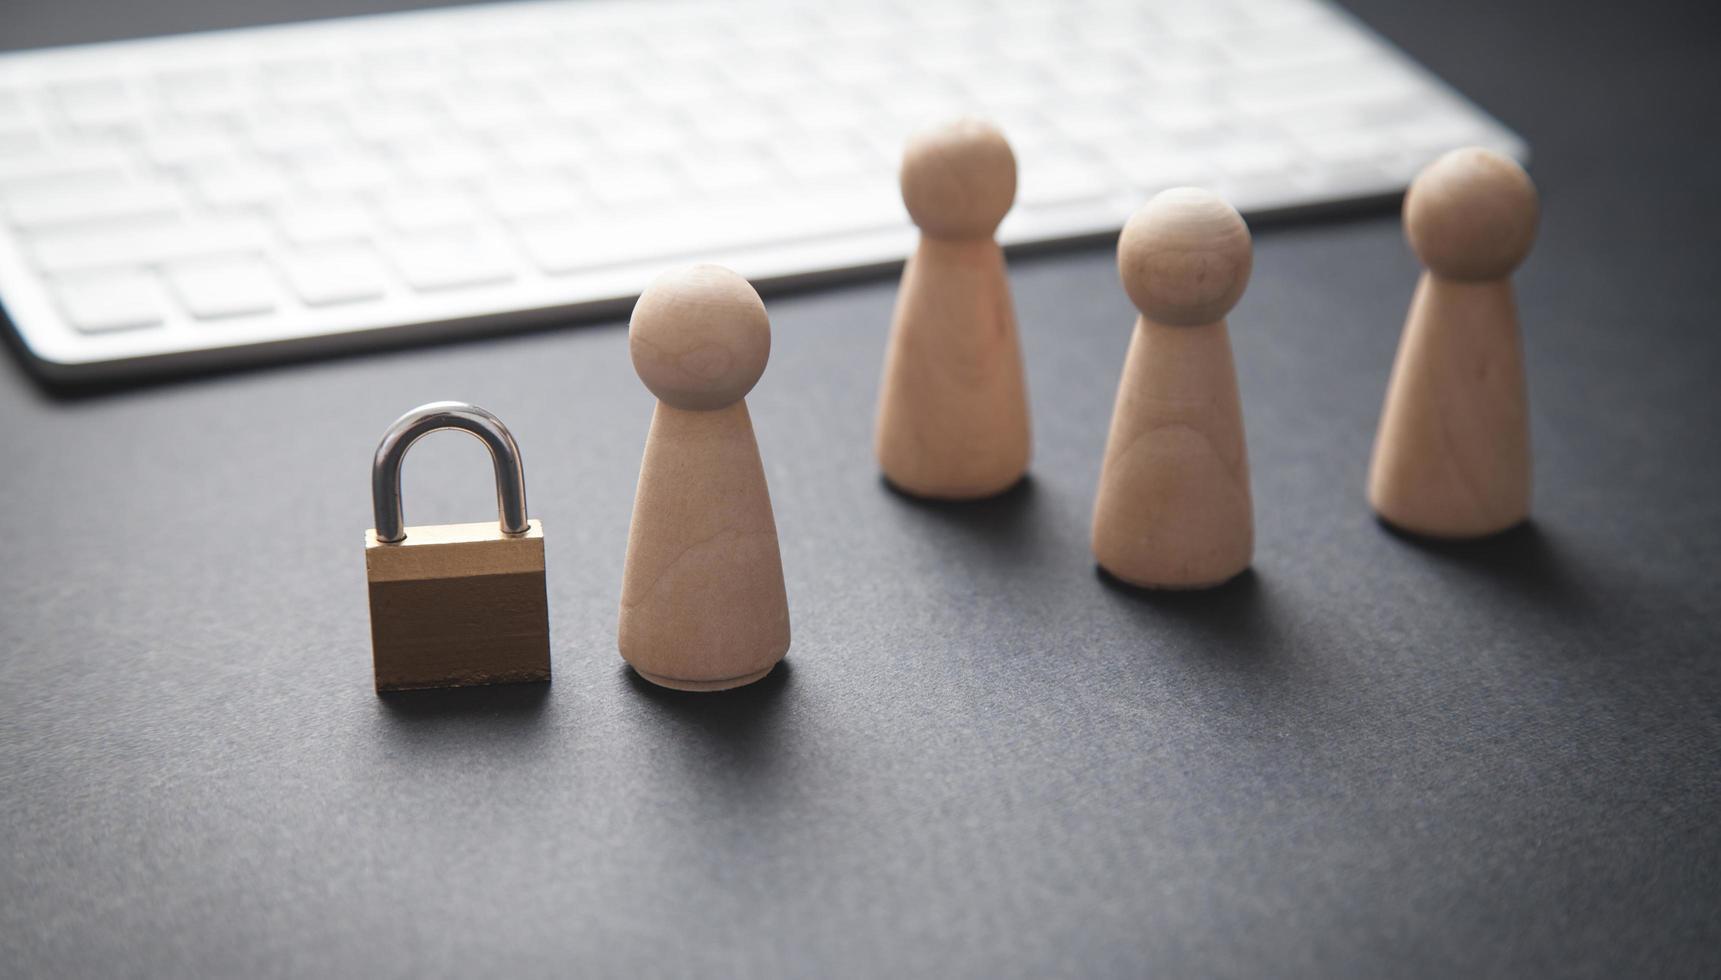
[{"x": 458, "y": 605}]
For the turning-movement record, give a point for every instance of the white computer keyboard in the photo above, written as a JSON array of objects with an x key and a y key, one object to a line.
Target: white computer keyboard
[{"x": 212, "y": 198}]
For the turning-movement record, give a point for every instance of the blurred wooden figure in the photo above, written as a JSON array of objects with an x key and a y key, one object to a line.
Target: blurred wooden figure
[
  {"x": 1174, "y": 508},
  {"x": 1452, "y": 456},
  {"x": 703, "y": 606},
  {"x": 953, "y": 405}
]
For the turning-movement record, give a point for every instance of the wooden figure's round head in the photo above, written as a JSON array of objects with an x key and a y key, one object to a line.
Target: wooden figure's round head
[
  {"x": 1185, "y": 257},
  {"x": 1471, "y": 215},
  {"x": 699, "y": 337},
  {"x": 959, "y": 179}
]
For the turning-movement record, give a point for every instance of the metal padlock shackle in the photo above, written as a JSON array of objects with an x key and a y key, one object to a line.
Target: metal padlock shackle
[{"x": 420, "y": 422}]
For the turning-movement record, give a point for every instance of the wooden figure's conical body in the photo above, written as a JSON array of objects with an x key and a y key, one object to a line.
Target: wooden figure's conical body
[
  {"x": 1452, "y": 455},
  {"x": 953, "y": 403},
  {"x": 703, "y": 604},
  {"x": 1174, "y": 509},
  {"x": 953, "y": 406}
]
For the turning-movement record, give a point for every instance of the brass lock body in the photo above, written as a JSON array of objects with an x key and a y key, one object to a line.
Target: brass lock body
[{"x": 455, "y": 605}]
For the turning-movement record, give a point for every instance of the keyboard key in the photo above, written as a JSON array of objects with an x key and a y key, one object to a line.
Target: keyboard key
[
  {"x": 526, "y": 196},
  {"x": 445, "y": 158},
  {"x": 1089, "y": 122},
  {"x": 303, "y": 80},
  {"x": 342, "y": 274},
  {"x": 412, "y": 69},
  {"x": 217, "y": 289},
  {"x": 319, "y": 223},
  {"x": 450, "y": 260},
  {"x": 295, "y": 132},
  {"x": 1257, "y": 159},
  {"x": 200, "y": 92},
  {"x": 425, "y": 210},
  {"x": 1154, "y": 168},
  {"x": 617, "y": 182},
  {"x": 820, "y": 158},
  {"x": 1343, "y": 148},
  {"x": 744, "y": 123},
  {"x": 1291, "y": 47},
  {"x": 345, "y": 172},
  {"x": 1434, "y": 133},
  {"x": 257, "y": 174},
  {"x": 582, "y": 94},
  {"x": 57, "y": 162},
  {"x": 542, "y": 147},
  {"x": 101, "y": 245},
  {"x": 222, "y": 288},
  {"x": 14, "y": 111},
  {"x": 1096, "y": 75},
  {"x": 1055, "y": 181},
  {"x": 637, "y": 133},
  {"x": 1314, "y": 125},
  {"x": 394, "y": 118},
  {"x": 1189, "y": 64},
  {"x": 80, "y": 199},
  {"x": 670, "y": 87},
  {"x": 563, "y": 244},
  {"x": 238, "y": 184},
  {"x": 21, "y": 143},
  {"x": 857, "y": 65},
  {"x": 180, "y": 143},
  {"x": 1275, "y": 13},
  {"x": 105, "y": 303},
  {"x": 504, "y": 58},
  {"x": 729, "y": 169},
  {"x": 1352, "y": 84},
  {"x": 486, "y": 107},
  {"x": 97, "y": 103},
  {"x": 1186, "y": 122}
]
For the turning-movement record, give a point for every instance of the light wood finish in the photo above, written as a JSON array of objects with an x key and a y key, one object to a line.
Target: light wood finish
[
  {"x": 953, "y": 403},
  {"x": 703, "y": 604},
  {"x": 1174, "y": 509},
  {"x": 1471, "y": 215},
  {"x": 458, "y": 605},
  {"x": 699, "y": 337},
  {"x": 1452, "y": 456}
]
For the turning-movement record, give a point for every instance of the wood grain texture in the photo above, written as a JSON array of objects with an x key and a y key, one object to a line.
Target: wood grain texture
[
  {"x": 455, "y": 551},
  {"x": 699, "y": 337},
  {"x": 1471, "y": 215},
  {"x": 1452, "y": 454},
  {"x": 1366, "y": 760},
  {"x": 953, "y": 405},
  {"x": 703, "y": 607},
  {"x": 1185, "y": 257},
  {"x": 703, "y": 604},
  {"x": 434, "y": 626},
  {"x": 1174, "y": 509}
]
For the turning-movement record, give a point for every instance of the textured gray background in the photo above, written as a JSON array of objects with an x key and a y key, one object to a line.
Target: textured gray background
[{"x": 1369, "y": 757}]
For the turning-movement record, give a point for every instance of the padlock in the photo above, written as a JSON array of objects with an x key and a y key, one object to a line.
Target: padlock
[{"x": 455, "y": 605}]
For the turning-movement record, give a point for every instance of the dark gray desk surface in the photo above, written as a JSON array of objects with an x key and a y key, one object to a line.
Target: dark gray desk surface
[{"x": 1368, "y": 757}]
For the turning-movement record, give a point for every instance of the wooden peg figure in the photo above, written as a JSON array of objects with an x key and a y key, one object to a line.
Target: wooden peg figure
[
  {"x": 1174, "y": 508},
  {"x": 703, "y": 606},
  {"x": 1452, "y": 456},
  {"x": 953, "y": 405}
]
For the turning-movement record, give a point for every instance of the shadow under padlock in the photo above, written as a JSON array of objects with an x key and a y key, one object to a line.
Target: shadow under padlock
[{"x": 455, "y": 605}]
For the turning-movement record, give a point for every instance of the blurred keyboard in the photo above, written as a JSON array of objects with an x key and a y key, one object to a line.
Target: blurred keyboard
[{"x": 214, "y": 198}]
